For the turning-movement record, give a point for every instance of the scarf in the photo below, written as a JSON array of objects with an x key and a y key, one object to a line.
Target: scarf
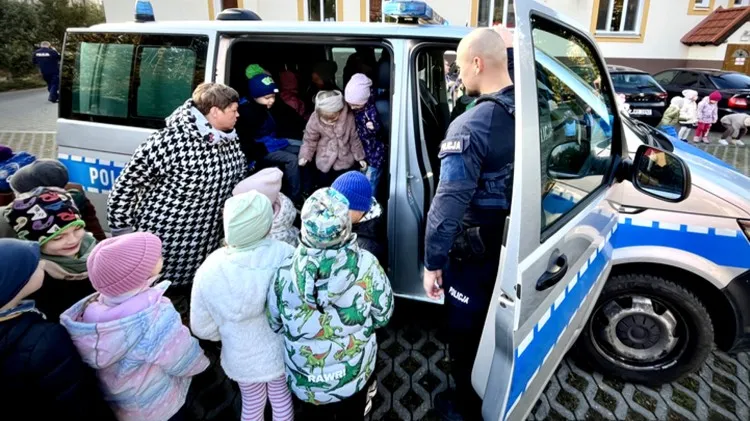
[
  {"x": 70, "y": 268},
  {"x": 209, "y": 133}
]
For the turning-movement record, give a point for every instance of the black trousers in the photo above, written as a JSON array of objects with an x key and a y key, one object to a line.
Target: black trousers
[
  {"x": 350, "y": 409},
  {"x": 53, "y": 86},
  {"x": 468, "y": 285},
  {"x": 287, "y": 160}
]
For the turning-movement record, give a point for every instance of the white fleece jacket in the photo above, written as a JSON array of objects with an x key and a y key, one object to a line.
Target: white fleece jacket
[{"x": 228, "y": 304}]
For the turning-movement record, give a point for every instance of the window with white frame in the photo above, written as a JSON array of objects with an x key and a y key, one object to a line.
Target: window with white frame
[
  {"x": 321, "y": 10},
  {"x": 492, "y": 12},
  {"x": 619, "y": 17},
  {"x": 702, "y": 4},
  {"x": 738, "y": 3}
]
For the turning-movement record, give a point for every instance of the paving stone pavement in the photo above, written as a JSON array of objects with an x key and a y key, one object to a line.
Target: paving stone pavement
[{"x": 412, "y": 362}]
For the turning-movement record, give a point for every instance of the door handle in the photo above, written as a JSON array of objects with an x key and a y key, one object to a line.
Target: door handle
[{"x": 554, "y": 274}]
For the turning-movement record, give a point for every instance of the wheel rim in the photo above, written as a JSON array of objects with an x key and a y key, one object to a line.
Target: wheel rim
[{"x": 639, "y": 332}]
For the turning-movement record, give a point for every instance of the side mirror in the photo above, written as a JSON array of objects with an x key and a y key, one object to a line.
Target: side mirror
[
  {"x": 566, "y": 160},
  {"x": 660, "y": 174}
]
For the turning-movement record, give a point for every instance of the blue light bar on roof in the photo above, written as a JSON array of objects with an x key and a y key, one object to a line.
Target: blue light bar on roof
[
  {"x": 412, "y": 11},
  {"x": 144, "y": 12}
]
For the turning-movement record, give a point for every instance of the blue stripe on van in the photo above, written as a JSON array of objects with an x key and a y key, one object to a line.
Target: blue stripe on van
[
  {"x": 539, "y": 344},
  {"x": 723, "y": 247},
  {"x": 95, "y": 175}
]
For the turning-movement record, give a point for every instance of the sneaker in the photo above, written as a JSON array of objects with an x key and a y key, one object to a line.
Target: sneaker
[
  {"x": 738, "y": 142},
  {"x": 724, "y": 142},
  {"x": 706, "y": 140}
]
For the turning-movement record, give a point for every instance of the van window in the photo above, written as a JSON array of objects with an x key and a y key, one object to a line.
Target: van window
[
  {"x": 576, "y": 120},
  {"x": 129, "y": 79}
]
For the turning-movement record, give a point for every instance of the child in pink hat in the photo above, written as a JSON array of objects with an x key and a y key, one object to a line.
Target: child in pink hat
[{"x": 131, "y": 334}]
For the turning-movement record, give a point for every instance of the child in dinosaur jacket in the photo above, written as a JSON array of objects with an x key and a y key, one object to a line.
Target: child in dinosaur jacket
[{"x": 327, "y": 300}]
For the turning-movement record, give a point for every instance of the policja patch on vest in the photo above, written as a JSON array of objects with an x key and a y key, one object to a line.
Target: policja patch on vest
[{"x": 453, "y": 145}]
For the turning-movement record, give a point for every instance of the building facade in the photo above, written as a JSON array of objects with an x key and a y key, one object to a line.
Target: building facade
[{"x": 647, "y": 34}]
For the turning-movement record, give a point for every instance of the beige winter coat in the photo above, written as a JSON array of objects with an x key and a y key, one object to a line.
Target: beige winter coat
[{"x": 333, "y": 146}]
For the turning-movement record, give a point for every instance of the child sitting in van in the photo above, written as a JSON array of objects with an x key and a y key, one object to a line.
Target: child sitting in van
[
  {"x": 359, "y": 96},
  {"x": 331, "y": 138},
  {"x": 671, "y": 116},
  {"x": 364, "y": 210},
  {"x": 268, "y": 182},
  {"x": 289, "y": 88},
  {"x": 708, "y": 114},
  {"x": 48, "y": 216},
  {"x": 269, "y": 132},
  {"x": 38, "y": 362},
  {"x": 52, "y": 173},
  {"x": 688, "y": 113},
  {"x": 327, "y": 300},
  {"x": 131, "y": 334},
  {"x": 228, "y": 304},
  {"x": 736, "y": 126}
]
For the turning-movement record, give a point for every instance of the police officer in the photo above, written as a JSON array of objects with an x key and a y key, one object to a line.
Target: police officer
[
  {"x": 48, "y": 61},
  {"x": 465, "y": 222}
]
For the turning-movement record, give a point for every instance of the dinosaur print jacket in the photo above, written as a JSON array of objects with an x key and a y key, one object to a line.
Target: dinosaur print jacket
[{"x": 327, "y": 304}]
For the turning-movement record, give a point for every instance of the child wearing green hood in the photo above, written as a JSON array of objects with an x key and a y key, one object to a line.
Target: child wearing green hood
[{"x": 49, "y": 216}]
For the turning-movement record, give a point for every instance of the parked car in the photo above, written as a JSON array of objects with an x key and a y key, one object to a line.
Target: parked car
[
  {"x": 647, "y": 99},
  {"x": 559, "y": 241},
  {"x": 734, "y": 87}
]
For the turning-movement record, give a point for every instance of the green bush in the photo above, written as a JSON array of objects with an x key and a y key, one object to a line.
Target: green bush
[{"x": 24, "y": 25}]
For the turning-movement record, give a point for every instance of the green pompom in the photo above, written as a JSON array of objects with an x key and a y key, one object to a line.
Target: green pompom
[{"x": 254, "y": 70}]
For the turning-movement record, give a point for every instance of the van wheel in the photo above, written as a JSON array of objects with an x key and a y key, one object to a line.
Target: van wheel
[{"x": 646, "y": 329}]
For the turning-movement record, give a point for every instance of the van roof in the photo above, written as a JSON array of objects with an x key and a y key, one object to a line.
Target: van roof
[{"x": 386, "y": 30}]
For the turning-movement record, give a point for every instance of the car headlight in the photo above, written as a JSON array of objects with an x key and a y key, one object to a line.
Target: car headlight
[{"x": 745, "y": 225}]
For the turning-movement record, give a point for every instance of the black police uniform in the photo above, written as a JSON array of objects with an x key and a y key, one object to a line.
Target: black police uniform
[
  {"x": 48, "y": 61},
  {"x": 465, "y": 225}
]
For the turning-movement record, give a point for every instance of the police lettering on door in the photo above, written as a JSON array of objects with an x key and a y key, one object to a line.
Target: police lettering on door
[{"x": 95, "y": 175}]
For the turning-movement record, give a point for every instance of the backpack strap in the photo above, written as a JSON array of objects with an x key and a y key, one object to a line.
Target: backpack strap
[{"x": 502, "y": 101}]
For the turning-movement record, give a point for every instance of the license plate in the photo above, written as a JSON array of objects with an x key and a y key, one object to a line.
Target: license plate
[{"x": 636, "y": 111}]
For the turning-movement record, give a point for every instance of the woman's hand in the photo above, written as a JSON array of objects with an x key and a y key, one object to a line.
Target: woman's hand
[
  {"x": 302, "y": 162},
  {"x": 363, "y": 164}
]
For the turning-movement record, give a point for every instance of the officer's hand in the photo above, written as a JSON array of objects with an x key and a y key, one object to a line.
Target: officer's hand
[
  {"x": 433, "y": 283},
  {"x": 302, "y": 162},
  {"x": 363, "y": 164}
]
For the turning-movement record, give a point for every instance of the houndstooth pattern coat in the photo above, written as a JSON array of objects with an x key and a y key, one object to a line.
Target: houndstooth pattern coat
[{"x": 175, "y": 186}]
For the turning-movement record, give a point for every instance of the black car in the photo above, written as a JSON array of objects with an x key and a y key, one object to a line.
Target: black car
[
  {"x": 647, "y": 99},
  {"x": 734, "y": 86}
]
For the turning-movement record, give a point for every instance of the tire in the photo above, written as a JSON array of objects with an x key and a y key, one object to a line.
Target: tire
[{"x": 631, "y": 341}]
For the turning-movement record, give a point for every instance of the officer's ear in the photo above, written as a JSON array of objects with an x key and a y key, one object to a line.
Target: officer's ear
[{"x": 477, "y": 65}]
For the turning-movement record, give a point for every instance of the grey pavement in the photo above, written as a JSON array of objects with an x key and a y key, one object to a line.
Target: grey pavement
[
  {"x": 27, "y": 110},
  {"x": 412, "y": 364}
]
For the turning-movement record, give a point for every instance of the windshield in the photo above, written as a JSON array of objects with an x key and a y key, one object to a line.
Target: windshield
[
  {"x": 634, "y": 80},
  {"x": 731, "y": 81}
]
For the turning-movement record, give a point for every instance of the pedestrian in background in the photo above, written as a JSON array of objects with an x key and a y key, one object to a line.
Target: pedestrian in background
[
  {"x": 671, "y": 116},
  {"x": 176, "y": 183},
  {"x": 43, "y": 377},
  {"x": 688, "y": 113},
  {"x": 47, "y": 59},
  {"x": 736, "y": 126},
  {"x": 708, "y": 114},
  {"x": 131, "y": 334}
]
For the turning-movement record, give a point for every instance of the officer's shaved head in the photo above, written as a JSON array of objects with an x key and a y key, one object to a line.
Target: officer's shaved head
[
  {"x": 45, "y": 44},
  {"x": 481, "y": 55}
]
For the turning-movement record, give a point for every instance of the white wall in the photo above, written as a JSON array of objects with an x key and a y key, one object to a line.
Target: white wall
[
  {"x": 275, "y": 9},
  {"x": 123, "y": 10}
]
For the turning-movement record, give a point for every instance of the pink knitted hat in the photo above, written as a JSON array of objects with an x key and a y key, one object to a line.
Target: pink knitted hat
[
  {"x": 266, "y": 181},
  {"x": 123, "y": 264},
  {"x": 357, "y": 91}
]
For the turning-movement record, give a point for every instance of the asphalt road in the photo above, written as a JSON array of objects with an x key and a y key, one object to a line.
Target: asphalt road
[{"x": 27, "y": 111}]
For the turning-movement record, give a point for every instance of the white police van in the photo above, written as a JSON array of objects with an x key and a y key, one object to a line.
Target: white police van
[{"x": 119, "y": 82}]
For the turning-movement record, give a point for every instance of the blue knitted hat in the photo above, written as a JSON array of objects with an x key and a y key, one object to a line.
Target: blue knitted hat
[
  {"x": 20, "y": 260},
  {"x": 356, "y": 188},
  {"x": 261, "y": 85}
]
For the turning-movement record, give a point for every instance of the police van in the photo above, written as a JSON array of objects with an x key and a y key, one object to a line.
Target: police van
[{"x": 572, "y": 180}]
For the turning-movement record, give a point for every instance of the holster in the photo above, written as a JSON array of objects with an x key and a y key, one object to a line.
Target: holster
[{"x": 475, "y": 244}]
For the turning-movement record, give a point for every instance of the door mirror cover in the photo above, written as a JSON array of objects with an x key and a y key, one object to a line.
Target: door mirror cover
[{"x": 660, "y": 174}]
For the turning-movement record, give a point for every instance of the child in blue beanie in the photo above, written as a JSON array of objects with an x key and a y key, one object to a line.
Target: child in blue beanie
[
  {"x": 38, "y": 357},
  {"x": 364, "y": 211},
  {"x": 270, "y": 130}
]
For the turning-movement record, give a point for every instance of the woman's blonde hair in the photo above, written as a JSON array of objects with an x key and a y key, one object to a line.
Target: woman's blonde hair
[{"x": 208, "y": 95}]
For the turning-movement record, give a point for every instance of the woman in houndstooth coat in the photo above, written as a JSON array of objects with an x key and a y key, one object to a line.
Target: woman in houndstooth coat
[{"x": 177, "y": 181}]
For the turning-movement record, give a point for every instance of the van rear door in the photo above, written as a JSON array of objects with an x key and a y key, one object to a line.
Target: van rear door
[
  {"x": 557, "y": 242},
  {"x": 116, "y": 89}
]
